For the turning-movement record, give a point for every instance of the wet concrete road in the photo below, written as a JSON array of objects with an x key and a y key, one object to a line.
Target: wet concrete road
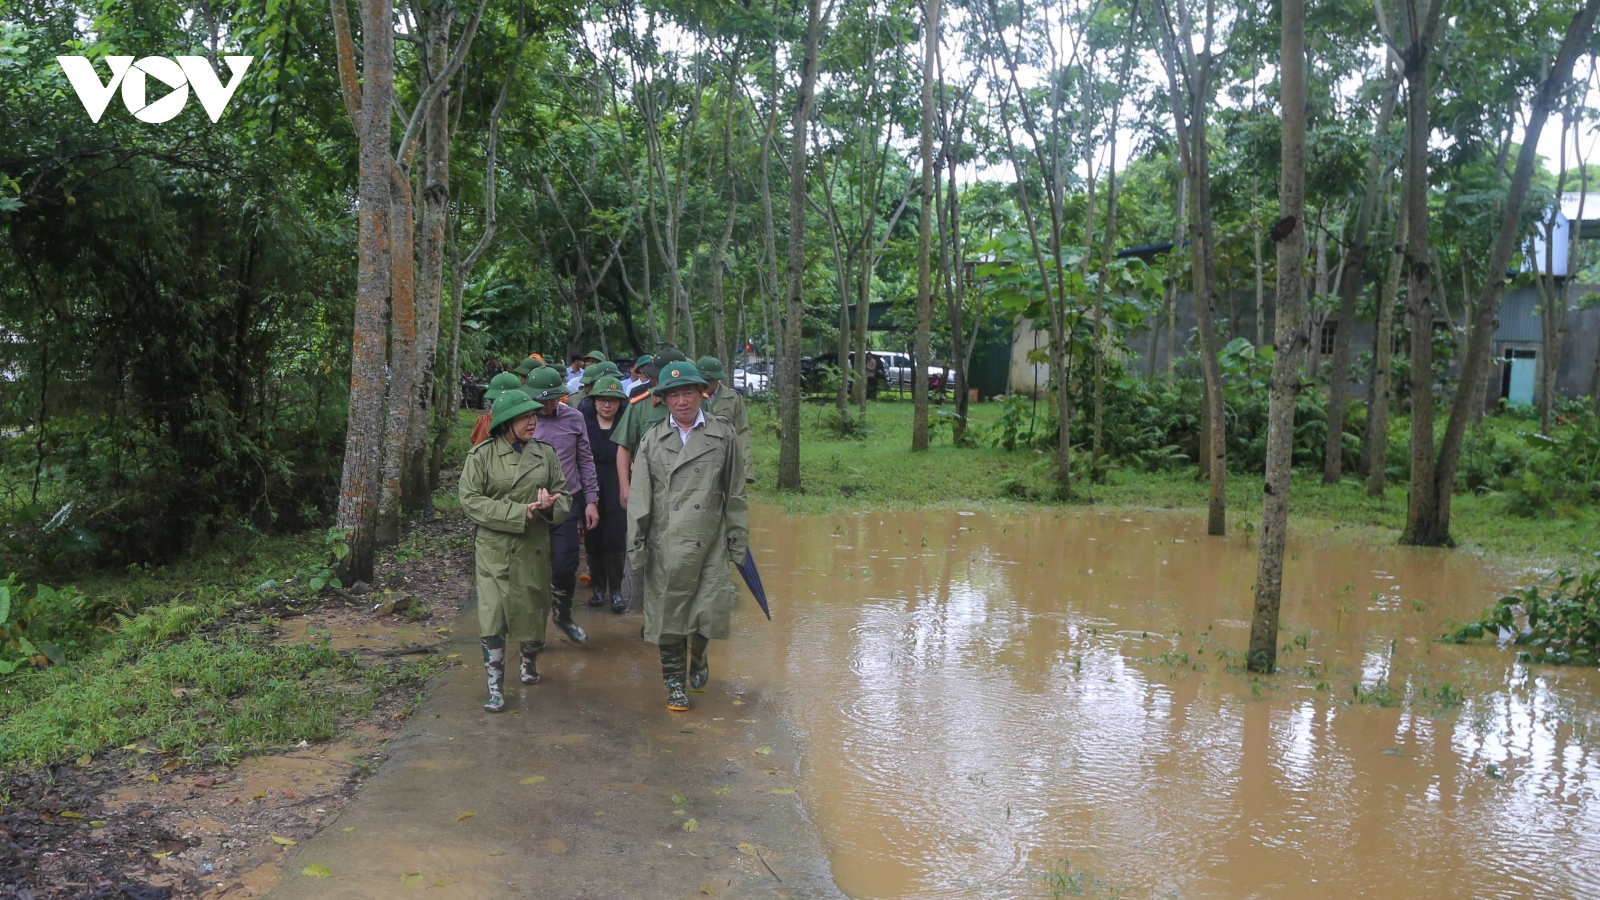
[{"x": 571, "y": 791}]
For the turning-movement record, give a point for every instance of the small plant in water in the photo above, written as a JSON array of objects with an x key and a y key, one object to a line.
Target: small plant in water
[
  {"x": 1559, "y": 627},
  {"x": 1064, "y": 881},
  {"x": 1380, "y": 694}
]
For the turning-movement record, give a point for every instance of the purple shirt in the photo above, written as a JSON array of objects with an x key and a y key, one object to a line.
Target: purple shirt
[{"x": 568, "y": 433}]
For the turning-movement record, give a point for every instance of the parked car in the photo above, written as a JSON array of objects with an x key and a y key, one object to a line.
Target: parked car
[
  {"x": 899, "y": 368},
  {"x": 749, "y": 381},
  {"x": 811, "y": 372}
]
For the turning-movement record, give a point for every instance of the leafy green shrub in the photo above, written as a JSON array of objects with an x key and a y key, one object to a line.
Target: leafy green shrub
[{"x": 1560, "y": 626}]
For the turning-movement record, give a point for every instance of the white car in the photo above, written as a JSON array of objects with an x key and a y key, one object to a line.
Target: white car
[{"x": 748, "y": 383}]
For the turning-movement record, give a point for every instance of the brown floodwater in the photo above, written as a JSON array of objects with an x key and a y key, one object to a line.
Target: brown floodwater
[{"x": 1040, "y": 705}]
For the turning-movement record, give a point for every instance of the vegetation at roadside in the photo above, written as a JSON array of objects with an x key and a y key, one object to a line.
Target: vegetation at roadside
[{"x": 1004, "y": 466}]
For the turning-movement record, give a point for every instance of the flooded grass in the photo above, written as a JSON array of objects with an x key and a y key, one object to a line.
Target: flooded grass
[
  {"x": 876, "y": 471},
  {"x": 1053, "y": 703}
]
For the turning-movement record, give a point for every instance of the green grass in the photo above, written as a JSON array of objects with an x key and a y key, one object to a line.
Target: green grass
[{"x": 879, "y": 471}]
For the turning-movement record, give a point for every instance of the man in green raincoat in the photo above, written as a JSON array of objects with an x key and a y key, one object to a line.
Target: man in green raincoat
[
  {"x": 644, "y": 409},
  {"x": 513, "y": 490},
  {"x": 688, "y": 525},
  {"x": 722, "y": 400}
]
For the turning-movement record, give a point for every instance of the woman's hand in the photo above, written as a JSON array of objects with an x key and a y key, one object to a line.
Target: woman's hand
[
  {"x": 591, "y": 516},
  {"x": 544, "y": 501}
]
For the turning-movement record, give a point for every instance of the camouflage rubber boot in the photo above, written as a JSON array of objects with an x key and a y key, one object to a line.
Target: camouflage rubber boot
[
  {"x": 529, "y": 673},
  {"x": 699, "y": 668},
  {"x": 674, "y": 665},
  {"x": 494, "y": 663}
]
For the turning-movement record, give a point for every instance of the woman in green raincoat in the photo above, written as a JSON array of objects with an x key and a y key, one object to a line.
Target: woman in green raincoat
[
  {"x": 688, "y": 525},
  {"x": 513, "y": 490}
]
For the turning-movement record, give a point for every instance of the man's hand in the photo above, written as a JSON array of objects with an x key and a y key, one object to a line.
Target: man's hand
[{"x": 591, "y": 516}]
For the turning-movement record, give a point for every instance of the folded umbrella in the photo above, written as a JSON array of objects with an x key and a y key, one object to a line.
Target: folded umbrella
[{"x": 752, "y": 580}]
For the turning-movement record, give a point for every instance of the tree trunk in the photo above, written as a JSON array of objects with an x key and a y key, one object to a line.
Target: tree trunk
[
  {"x": 402, "y": 355},
  {"x": 919, "y": 375},
  {"x": 1422, "y": 504},
  {"x": 1179, "y": 227},
  {"x": 368, "y": 102},
  {"x": 1377, "y": 443},
  {"x": 794, "y": 316},
  {"x": 1428, "y": 524},
  {"x": 1261, "y": 291},
  {"x": 1354, "y": 264},
  {"x": 416, "y": 482},
  {"x": 1290, "y": 340}
]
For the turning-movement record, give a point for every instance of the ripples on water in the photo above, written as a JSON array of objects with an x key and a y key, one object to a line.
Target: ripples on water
[{"x": 984, "y": 698}]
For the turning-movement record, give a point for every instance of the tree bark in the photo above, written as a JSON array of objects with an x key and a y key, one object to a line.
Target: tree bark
[
  {"x": 1428, "y": 521},
  {"x": 368, "y": 102},
  {"x": 794, "y": 315},
  {"x": 1422, "y": 507},
  {"x": 402, "y": 354},
  {"x": 1195, "y": 152},
  {"x": 1377, "y": 443},
  {"x": 1290, "y": 340},
  {"x": 1354, "y": 264},
  {"x": 416, "y": 481},
  {"x": 919, "y": 376}
]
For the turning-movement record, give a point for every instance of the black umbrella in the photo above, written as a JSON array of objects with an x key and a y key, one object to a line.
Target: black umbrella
[{"x": 752, "y": 580}]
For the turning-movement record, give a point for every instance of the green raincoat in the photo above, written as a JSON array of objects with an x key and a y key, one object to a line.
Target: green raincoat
[
  {"x": 727, "y": 403},
  {"x": 513, "y": 553},
  {"x": 688, "y": 523}
]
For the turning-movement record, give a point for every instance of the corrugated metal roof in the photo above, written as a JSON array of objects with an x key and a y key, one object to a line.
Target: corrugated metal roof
[{"x": 1519, "y": 316}]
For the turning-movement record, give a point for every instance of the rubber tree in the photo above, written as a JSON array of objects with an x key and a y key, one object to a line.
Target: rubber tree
[
  {"x": 919, "y": 375},
  {"x": 1290, "y": 341},
  {"x": 1189, "y": 79},
  {"x": 1428, "y": 509},
  {"x": 368, "y": 100},
  {"x": 793, "y": 323}
]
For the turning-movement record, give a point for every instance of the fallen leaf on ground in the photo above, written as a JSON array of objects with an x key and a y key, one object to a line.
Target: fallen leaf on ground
[
  {"x": 692, "y": 825},
  {"x": 748, "y": 721},
  {"x": 763, "y": 750},
  {"x": 282, "y": 841},
  {"x": 170, "y": 764},
  {"x": 154, "y": 779},
  {"x": 84, "y": 761},
  {"x": 162, "y": 855},
  {"x": 707, "y": 889},
  {"x": 532, "y": 779},
  {"x": 69, "y": 814},
  {"x": 748, "y": 849},
  {"x": 348, "y": 828},
  {"x": 97, "y": 823},
  {"x": 725, "y": 789},
  {"x": 316, "y": 870},
  {"x": 679, "y": 799},
  {"x": 411, "y": 880},
  {"x": 464, "y": 816},
  {"x": 738, "y": 703}
]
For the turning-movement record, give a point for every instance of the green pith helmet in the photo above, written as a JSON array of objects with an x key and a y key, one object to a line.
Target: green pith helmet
[
  {"x": 598, "y": 371},
  {"x": 511, "y": 405},
  {"x": 595, "y": 355},
  {"x": 607, "y": 388},
  {"x": 663, "y": 358},
  {"x": 545, "y": 384},
  {"x": 641, "y": 366},
  {"x": 527, "y": 365},
  {"x": 711, "y": 368},
  {"x": 677, "y": 374},
  {"x": 505, "y": 381}
]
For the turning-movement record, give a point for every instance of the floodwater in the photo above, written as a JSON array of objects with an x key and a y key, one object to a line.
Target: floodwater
[{"x": 1053, "y": 704}]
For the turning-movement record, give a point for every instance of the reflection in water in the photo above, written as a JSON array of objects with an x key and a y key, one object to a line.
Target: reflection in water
[{"x": 984, "y": 698}]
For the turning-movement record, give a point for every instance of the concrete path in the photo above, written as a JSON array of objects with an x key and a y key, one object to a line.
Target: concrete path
[{"x": 570, "y": 793}]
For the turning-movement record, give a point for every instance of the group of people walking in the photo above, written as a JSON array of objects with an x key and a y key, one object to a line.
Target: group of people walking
[{"x": 653, "y": 478}]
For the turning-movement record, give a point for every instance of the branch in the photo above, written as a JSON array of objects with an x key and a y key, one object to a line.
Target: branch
[
  {"x": 491, "y": 216},
  {"x": 438, "y": 84},
  {"x": 349, "y": 85}
]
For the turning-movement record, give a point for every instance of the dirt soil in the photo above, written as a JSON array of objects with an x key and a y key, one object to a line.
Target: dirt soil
[{"x": 135, "y": 824}]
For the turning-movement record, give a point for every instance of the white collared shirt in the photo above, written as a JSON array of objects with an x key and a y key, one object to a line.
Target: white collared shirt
[{"x": 683, "y": 433}]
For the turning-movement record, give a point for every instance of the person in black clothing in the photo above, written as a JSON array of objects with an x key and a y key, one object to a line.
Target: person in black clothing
[{"x": 608, "y": 543}]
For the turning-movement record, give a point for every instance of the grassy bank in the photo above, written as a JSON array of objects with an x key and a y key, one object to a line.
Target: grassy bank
[{"x": 877, "y": 470}]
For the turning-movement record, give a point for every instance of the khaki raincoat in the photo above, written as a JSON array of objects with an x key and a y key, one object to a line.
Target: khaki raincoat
[
  {"x": 688, "y": 523},
  {"x": 727, "y": 403},
  {"x": 513, "y": 553}
]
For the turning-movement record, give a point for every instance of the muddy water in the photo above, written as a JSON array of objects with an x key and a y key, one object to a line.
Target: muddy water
[{"x": 1014, "y": 706}]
